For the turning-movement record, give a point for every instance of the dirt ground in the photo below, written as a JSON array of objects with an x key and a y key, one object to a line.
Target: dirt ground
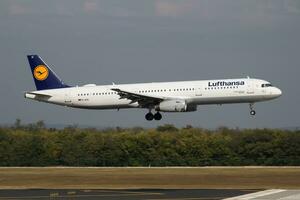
[{"x": 164, "y": 178}]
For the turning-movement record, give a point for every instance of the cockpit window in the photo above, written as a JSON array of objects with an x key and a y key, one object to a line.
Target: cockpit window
[{"x": 266, "y": 85}]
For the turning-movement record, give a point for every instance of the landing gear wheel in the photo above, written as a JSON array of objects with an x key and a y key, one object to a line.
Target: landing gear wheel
[
  {"x": 149, "y": 116},
  {"x": 252, "y": 112},
  {"x": 157, "y": 116}
]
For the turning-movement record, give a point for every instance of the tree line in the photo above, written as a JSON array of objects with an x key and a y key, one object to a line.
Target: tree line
[{"x": 36, "y": 145}]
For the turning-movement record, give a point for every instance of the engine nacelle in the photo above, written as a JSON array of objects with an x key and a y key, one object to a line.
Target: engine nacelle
[{"x": 175, "y": 106}]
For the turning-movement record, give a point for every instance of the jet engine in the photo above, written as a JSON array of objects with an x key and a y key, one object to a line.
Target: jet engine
[{"x": 175, "y": 106}]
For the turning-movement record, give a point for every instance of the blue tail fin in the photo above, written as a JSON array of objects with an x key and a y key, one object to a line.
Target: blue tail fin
[{"x": 43, "y": 76}]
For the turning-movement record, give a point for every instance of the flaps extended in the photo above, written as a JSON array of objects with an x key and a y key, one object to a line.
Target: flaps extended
[{"x": 143, "y": 100}]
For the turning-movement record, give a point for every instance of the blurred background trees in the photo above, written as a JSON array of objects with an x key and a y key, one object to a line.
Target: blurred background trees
[{"x": 36, "y": 145}]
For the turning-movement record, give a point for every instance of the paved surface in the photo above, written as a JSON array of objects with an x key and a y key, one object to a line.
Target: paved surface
[
  {"x": 153, "y": 194},
  {"x": 275, "y": 194}
]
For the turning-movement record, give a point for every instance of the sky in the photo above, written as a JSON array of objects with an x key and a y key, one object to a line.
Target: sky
[{"x": 130, "y": 41}]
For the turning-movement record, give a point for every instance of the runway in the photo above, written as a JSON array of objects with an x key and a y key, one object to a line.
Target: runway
[
  {"x": 202, "y": 183},
  {"x": 141, "y": 194}
]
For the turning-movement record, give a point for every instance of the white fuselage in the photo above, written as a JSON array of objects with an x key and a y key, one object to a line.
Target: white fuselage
[{"x": 192, "y": 92}]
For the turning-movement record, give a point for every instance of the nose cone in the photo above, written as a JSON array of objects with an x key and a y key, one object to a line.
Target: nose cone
[{"x": 277, "y": 92}]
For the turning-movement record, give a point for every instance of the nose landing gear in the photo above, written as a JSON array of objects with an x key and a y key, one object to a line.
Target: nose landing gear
[{"x": 252, "y": 111}]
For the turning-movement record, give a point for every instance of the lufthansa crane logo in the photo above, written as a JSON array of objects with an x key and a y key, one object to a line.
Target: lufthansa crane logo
[{"x": 40, "y": 72}]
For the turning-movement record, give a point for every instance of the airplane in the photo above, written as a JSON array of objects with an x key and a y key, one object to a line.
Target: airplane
[{"x": 180, "y": 96}]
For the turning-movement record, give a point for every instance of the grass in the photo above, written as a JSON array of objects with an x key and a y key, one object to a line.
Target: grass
[{"x": 164, "y": 178}]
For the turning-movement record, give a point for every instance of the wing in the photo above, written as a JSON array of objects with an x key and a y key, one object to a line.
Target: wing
[{"x": 144, "y": 101}]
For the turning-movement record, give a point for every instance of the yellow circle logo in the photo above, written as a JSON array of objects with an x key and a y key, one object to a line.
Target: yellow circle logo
[{"x": 40, "y": 72}]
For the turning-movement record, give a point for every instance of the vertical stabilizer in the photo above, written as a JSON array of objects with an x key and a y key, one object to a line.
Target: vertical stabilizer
[{"x": 43, "y": 76}]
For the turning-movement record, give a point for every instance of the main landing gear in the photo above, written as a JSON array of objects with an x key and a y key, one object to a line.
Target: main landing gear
[
  {"x": 149, "y": 116},
  {"x": 252, "y": 111}
]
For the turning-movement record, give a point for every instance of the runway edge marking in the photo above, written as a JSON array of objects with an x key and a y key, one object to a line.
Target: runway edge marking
[{"x": 255, "y": 195}]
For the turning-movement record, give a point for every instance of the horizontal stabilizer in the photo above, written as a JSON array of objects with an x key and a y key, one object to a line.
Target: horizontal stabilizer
[{"x": 36, "y": 95}]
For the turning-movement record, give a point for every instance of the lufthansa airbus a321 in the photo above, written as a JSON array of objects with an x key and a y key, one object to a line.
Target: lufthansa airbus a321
[{"x": 182, "y": 96}]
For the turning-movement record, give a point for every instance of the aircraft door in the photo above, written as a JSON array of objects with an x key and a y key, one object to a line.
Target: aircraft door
[
  {"x": 250, "y": 87},
  {"x": 198, "y": 91},
  {"x": 68, "y": 98}
]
